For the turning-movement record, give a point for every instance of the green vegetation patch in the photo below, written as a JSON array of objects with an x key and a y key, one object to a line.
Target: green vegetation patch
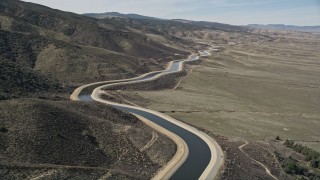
[{"x": 311, "y": 155}]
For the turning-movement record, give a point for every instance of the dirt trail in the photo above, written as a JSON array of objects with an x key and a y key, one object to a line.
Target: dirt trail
[
  {"x": 150, "y": 143},
  {"x": 264, "y": 166},
  {"x": 178, "y": 84},
  {"x": 119, "y": 96},
  {"x": 45, "y": 174},
  {"x": 55, "y": 166}
]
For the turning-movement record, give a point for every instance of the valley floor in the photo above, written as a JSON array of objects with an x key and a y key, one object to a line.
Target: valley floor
[
  {"x": 255, "y": 91},
  {"x": 249, "y": 94}
]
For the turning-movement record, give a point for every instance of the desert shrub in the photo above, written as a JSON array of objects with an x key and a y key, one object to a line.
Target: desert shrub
[
  {"x": 4, "y": 96},
  {"x": 315, "y": 163},
  {"x": 3, "y": 130},
  {"x": 310, "y": 154},
  {"x": 291, "y": 167},
  {"x": 289, "y": 143}
]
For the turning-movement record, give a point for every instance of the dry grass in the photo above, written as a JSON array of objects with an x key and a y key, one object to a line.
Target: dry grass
[{"x": 255, "y": 90}]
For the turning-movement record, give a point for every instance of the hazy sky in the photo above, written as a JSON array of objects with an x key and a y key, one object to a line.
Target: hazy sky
[{"x": 238, "y": 12}]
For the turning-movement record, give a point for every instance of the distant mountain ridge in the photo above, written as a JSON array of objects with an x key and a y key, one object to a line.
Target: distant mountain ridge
[
  {"x": 286, "y": 27},
  {"x": 117, "y": 14},
  {"x": 173, "y": 22}
]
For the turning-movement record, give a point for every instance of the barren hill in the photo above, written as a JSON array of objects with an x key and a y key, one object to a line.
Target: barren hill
[
  {"x": 46, "y": 54},
  {"x": 72, "y": 48},
  {"x": 63, "y": 135}
]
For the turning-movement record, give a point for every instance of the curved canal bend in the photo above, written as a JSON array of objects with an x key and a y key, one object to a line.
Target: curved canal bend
[{"x": 199, "y": 152}]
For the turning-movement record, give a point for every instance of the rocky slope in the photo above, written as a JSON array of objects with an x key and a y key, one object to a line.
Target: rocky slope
[
  {"x": 64, "y": 135},
  {"x": 72, "y": 48},
  {"x": 44, "y": 55}
]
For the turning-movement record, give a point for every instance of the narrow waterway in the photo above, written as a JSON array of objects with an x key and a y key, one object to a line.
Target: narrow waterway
[{"x": 199, "y": 152}]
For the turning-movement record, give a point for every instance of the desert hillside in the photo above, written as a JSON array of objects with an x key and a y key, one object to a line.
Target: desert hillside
[
  {"x": 61, "y": 136},
  {"x": 45, "y": 55},
  {"x": 74, "y": 49}
]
